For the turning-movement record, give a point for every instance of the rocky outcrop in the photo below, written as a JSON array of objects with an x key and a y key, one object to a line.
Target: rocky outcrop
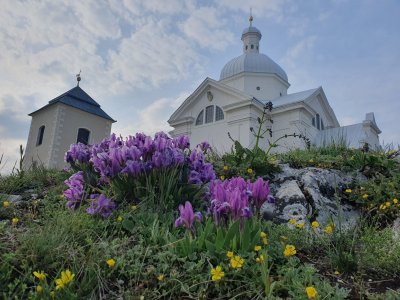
[{"x": 312, "y": 194}]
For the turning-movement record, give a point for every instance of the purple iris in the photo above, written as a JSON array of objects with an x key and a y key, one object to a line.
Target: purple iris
[
  {"x": 78, "y": 153},
  {"x": 187, "y": 216},
  {"x": 75, "y": 193},
  {"x": 260, "y": 193},
  {"x": 101, "y": 205}
]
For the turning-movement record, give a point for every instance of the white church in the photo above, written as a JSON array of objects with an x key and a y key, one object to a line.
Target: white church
[{"x": 235, "y": 101}]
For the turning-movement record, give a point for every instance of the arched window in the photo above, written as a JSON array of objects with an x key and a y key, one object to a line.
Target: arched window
[
  {"x": 210, "y": 114},
  {"x": 219, "y": 114},
  {"x": 39, "y": 139},
  {"x": 313, "y": 121},
  {"x": 322, "y": 125},
  {"x": 83, "y": 136},
  {"x": 318, "y": 122},
  {"x": 199, "y": 120}
]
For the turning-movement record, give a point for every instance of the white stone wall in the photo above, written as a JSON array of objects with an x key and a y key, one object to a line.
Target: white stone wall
[{"x": 41, "y": 153}]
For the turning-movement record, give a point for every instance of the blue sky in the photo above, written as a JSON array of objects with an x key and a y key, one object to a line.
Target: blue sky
[{"x": 140, "y": 59}]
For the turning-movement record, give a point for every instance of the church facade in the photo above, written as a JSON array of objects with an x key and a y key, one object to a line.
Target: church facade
[
  {"x": 67, "y": 119},
  {"x": 233, "y": 104}
]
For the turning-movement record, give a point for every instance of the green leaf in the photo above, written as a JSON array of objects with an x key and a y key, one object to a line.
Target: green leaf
[{"x": 128, "y": 225}]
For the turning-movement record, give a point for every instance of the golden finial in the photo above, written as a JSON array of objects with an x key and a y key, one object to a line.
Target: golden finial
[
  {"x": 78, "y": 76},
  {"x": 251, "y": 17}
]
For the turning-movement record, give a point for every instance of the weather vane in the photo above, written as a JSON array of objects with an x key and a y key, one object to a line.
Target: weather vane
[
  {"x": 251, "y": 17},
  {"x": 78, "y": 77}
]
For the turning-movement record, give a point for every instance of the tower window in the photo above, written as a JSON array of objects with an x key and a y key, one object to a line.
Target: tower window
[
  {"x": 219, "y": 114},
  {"x": 318, "y": 122},
  {"x": 313, "y": 121},
  {"x": 39, "y": 139},
  {"x": 322, "y": 125},
  {"x": 199, "y": 120},
  {"x": 209, "y": 114},
  {"x": 258, "y": 88},
  {"x": 252, "y": 46},
  {"x": 257, "y": 47},
  {"x": 247, "y": 47},
  {"x": 83, "y": 136}
]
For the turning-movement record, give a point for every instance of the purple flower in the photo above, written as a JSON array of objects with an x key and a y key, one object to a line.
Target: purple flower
[
  {"x": 260, "y": 193},
  {"x": 75, "y": 193},
  {"x": 181, "y": 142},
  {"x": 187, "y": 216},
  {"x": 204, "y": 146},
  {"x": 101, "y": 205},
  {"x": 78, "y": 153}
]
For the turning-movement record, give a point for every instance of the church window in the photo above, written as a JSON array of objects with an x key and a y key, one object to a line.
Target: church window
[
  {"x": 209, "y": 114},
  {"x": 257, "y": 47},
  {"x": 247, "y": 47},
  {"x": 219, "y": 114},
  {"x": 252, "y": 47},
  {"x": 318, "y": 122},
  {"x": 313, "y": 121},
  {"x": 258, "y": 88},
  {"x": 39, "y": 140},
  {"x": 83, "y": 136},
  {"x": 199, "y": 120},
  {"x": 322, "y": 125}
]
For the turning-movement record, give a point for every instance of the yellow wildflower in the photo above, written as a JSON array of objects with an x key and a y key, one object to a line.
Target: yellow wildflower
[
  {"x": 237, "y": 262},
  {"x": 328, "y": 229},
  {"x": 222, "y": 177},
  {"x": 226, "y": 168},
  {"x": 40, "y": 275},
  {"x": 263, "y": 234},
  {"x": 300, "y": 225},
  {"x": 52, "y": 294},
  {"x": 265, "y": 241},
  {"x": 292, "y": 221},
  {"x": 6, "y": 204},
  {"x": 14, "y": 221},
  {"x": 315, "y": 224},
  {"x": 217, "y": 273},
  {"x": 39, "y": 289},
  {"x": 395, "y": 201},
  {"x": 257, "y": 248},
  {"x": 348, "y": 191},
  {"x": 388, "y": 204},
  {"x": 161, "y": 277},
  {"x": 229, "y": 254},
  {"x": 382, "y": 207},
  {"x": 337, "y": 272},
  {"x": 134, "y": 207},
  {"x": 250, "y": 171},
  {"x": 65, "y": 279},
  {"x": 260, "y": 259},
  {"x": 311, "y": 161},
  {"x": 110, "y": 263},
  {"x": 290, "y": 250},
  {"x": 119, "y": 219},
  {"x": 311, "y": 292},
  {"x": 365, "y": 196}
]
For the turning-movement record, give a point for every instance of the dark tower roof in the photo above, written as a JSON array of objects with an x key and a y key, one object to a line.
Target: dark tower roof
[{"x": 79, "y": 99}]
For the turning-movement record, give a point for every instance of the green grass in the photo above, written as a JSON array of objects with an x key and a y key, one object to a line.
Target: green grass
[{"x": 145, "y": 245}]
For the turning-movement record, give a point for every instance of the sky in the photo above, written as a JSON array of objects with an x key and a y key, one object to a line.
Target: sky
[{"x": 141, "y": 59}]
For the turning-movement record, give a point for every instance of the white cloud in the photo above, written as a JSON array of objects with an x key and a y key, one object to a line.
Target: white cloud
[{"x": 208, "y": 28}]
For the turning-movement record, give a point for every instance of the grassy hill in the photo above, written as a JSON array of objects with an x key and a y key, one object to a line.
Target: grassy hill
[{"x": 135, "y": 243}]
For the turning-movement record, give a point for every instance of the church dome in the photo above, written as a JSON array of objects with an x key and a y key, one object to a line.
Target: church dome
[{"x": 252, "y": 63}]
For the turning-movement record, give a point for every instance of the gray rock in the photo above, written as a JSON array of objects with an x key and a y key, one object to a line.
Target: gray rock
[
  {"x": 13, "y": 199},
  {"x": 312, "y": 192},
  {"x": 396, "y": 230}
]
